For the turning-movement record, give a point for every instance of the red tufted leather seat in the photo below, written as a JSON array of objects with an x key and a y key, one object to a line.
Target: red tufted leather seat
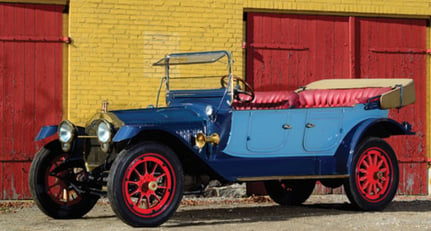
[
  {"x": 337, "y": 97},
  {"x": 269, "y": 100}
]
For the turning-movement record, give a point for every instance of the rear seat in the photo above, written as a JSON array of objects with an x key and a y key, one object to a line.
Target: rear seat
[
  {"x": 337, "y": 97},
  {"x": 310, "y": 98}
]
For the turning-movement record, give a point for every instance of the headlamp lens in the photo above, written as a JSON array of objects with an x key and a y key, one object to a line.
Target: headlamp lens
[
  {"x": 104, "y": 132},
  {"x": 65, "y": 131}
]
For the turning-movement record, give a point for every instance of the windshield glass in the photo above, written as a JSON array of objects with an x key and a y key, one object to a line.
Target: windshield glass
[{"x": 182, "y": 74}]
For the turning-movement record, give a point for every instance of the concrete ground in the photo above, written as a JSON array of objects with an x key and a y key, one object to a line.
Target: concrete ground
[{"x": 320, "y": 212}]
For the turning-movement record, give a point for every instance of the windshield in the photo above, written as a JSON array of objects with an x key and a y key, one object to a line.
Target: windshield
[{"x": 180, "y": 74}]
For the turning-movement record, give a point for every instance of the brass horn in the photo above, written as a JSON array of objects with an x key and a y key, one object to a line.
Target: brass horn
[{"x": 201, "y": 139}]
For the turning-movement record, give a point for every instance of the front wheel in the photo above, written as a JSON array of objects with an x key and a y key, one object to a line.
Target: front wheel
[
  {"x": 374, "y": 175},
  {"x": 289, "y": 192},
  {"x": 145, "y": 185},
  {"x": 51, "y": 179}
]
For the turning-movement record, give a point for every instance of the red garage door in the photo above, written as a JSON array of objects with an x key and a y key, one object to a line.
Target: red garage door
[
  {"x": 286, "y": 51},
  {"x": 30, "y": 87}
]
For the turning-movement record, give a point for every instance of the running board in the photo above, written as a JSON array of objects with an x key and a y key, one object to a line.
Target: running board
[{"x": 317, "y": 177}]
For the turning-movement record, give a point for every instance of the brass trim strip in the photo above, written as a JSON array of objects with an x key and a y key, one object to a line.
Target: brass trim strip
[
  {"x": 263, "y": 178},
  {"x": 87, "y": 137}
]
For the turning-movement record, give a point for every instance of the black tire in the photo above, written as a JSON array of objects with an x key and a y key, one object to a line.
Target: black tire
[
  {"x": 374, "y": 175},
  {"x": 290, "y": 192},
  {"x": 145, "y": 184},
  {"x": 332, "y": 183},
  {"x": 53, "y": 194}
]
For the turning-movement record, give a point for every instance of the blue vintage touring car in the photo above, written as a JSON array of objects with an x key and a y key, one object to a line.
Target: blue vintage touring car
[{"x": 144, "y": 160}]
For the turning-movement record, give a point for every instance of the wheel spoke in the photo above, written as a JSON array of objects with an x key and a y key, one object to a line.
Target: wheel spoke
[
  {"x": 145, "y": 168},
  {"x": 132, "y": 182},
  {"x": 162, "y": 187},
  {"x": 147, "y": 198},
  {"x": 376, "y": 159},
  {"x": 380, "y": 186},
  {"x": 138, "y": 202},
  {"x": 369, "y": 189},
  {"x": 155, "y": 196},
  {"x": 154, "y": 169},
  {"x": 59, "y": 193},
  {"x": 369, "y": 160},
  {"x": 365, "y": 185},
  {"x": 157, "y": 178},
  {"x": 134, "y": 192},
  {"x": 57, "y": 183},
  {"x": 380, "y": 164},
  {"x": 365, "y": 163},
  {"x": 136, "y": 171},
  {"x": 67, "y": 195},
  {"x": 363, "y": 170},
  {"x": 376, "y": 189}
]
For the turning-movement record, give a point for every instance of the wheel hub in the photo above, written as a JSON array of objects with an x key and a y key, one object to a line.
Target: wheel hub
[
  {"x": 152, "y": 186},
  {"x": 378, "y": 175},
  {"x": 148, "y": 183}
]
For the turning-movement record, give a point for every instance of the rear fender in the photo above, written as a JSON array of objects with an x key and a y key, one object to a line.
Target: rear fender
[{"x": 382, "y": 128}]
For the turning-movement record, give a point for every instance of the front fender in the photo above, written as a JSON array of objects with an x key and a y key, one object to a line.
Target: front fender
[
  {"x": 382, "y": 127},
  {"x": 126, "y": 132},
  {"x": 46, "y": 131}
]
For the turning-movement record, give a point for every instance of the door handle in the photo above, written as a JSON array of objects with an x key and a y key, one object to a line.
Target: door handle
[
  {"x": 310, "y": 125},
  {"x": 286, "y": 126}
]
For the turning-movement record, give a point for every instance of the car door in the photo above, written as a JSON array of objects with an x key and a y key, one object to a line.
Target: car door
[
  {"x": 285, "y": 133},
  {"x": 266, "y": 133},
  {"x": 323, "y": 130}
]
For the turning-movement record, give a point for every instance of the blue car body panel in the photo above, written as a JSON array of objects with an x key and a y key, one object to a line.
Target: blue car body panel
[
  {"x": 46, "y": 131},
  {"x": 260, "y": 134}
]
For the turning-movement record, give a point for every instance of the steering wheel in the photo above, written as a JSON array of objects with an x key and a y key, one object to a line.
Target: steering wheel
[{"x": 242, "y": 91}]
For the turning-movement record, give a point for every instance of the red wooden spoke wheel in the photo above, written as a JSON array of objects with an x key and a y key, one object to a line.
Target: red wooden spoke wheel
[
  {"x": 374, "y": 175},
  {"x": 148, "y": 185},
  {"x": 50, "y": 182},
  {"x": 145, "y": 184},
  {"x": 56, "y": 185}
]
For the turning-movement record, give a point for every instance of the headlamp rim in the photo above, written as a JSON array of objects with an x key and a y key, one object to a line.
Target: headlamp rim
[
  {"x": 72, "y": 131},
  {"x": 109, "y": 126}
]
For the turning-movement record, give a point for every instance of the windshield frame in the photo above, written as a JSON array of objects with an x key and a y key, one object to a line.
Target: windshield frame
[{"x": 191, "y": 58}]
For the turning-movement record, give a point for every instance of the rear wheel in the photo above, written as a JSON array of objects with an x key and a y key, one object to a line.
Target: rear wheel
[
  {"x": 145, "y": 185},
  {"x": 290, "y": 192},
  {"x": 374, "y": 175},
  {"x": 50, "y": 181}
]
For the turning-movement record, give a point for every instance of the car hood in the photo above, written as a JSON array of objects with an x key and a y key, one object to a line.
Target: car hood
[{"x": 154, "y": 116}]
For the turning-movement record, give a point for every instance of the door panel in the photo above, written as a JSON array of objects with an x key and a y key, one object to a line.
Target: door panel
[
  {"x": 323, "y": 130},
  {"x": 266, "y": 132}
]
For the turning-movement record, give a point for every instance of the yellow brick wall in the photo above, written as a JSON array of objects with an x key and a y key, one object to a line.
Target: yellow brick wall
[{"x": 116, "y": 42}]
